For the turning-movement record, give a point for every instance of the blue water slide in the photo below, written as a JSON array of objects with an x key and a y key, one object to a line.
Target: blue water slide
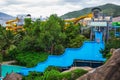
[{"x": 90, "y": 51}]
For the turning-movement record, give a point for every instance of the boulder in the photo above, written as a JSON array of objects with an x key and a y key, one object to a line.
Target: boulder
[
  {"x": 109, "y": 71},
  {"x": 13, "y": 76},
  {"x": 112, "y": 50}
]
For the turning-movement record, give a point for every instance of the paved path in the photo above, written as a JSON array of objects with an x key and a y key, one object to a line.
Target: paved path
[
  {"x": 73, "y": 68},
  {"x": 9, "y": 62}
]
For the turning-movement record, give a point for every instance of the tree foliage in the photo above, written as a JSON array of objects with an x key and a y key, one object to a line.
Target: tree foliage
[
  {"x": 8, "y": 41},
  {"x": 56, "y": 75},
  {"x": 112, "y": 43},
  {"x": 74, "y": 38},
  {"x": 44, "y": 36},
  {"x": 41, "y": 36}
]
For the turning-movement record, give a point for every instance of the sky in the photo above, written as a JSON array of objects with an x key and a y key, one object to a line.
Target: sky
[{"x": 45, "y": 8}]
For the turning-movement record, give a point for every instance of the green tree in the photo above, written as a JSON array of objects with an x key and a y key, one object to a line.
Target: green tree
[
  {"x": 53, "y": 33},
  {"x": 74, "y": 38},
  {"x": 112, "y": 43},
  {"x": 30, "y": 39},
  {"x": 28, "y": 22},
  {"x": 8, "y": 41},
  {"x": 44, "y": 36},
  {"x": 49, "y": 36}
]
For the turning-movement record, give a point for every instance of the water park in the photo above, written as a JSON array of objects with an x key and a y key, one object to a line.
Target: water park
[{"x": 100, "y": 28}]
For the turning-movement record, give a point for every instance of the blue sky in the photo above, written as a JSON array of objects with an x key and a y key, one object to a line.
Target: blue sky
[{"x": 44, "y": 8}]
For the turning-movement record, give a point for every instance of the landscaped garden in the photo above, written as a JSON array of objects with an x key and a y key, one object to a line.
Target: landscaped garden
[{"x": 39, "y": 40}]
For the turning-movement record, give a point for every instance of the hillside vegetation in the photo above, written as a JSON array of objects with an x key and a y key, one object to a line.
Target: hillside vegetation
[{"x": 108, "y": 9}]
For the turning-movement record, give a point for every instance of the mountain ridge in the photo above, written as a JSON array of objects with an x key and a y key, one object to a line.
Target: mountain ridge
[
  {"x": 5, "y": 17},
  {"x": 108, "y": 9}
]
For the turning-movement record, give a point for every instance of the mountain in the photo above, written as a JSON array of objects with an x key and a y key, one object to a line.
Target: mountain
[
  {"x": 108, "y": 9},
  {"x": 5, "y": 17}
]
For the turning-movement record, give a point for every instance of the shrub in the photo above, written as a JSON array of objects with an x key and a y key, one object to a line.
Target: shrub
[
  {"x": 56, "y": 75},
  {"x": 32, "y": 76},
  {"x": 77, "y": 73},
  {"x": 53, "y": 68},
  {"x": 73, "y": 74},
  {"x": 30, "y": 59},
  {"x": 112, "y": 43},
  {"x": 51, "y": 75}
]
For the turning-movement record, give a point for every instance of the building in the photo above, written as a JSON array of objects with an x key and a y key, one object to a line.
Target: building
[{"x": 116, "y": 19}]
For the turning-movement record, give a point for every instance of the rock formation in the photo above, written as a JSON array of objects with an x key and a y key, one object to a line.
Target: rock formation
[
  {"x": 13, "y": 76},
  {"x": 109, "y": 71}
]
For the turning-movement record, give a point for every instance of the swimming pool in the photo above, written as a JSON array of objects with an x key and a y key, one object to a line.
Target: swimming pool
[{"x": 9, "y": 69}]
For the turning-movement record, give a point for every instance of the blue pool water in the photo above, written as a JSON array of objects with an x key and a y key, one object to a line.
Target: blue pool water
[{"x": 10, "y": 68}]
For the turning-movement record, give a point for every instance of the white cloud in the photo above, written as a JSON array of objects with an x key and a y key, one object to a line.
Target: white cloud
[
  {"x": 94, "y": 1},
  {"x": 46, "y": 7}
]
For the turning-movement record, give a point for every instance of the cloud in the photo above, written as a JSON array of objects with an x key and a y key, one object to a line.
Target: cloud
[
  {"x": 73, "y": 1},
  {"x": 47, "y": 7},
  {"x": 90, "y": 3},
  {"x": 12, "y": 2},
  {"x": 45, "y": 3}
]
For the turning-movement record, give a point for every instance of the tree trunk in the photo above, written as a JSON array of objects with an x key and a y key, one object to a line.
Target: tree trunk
[{"x": 52, "y": 48}]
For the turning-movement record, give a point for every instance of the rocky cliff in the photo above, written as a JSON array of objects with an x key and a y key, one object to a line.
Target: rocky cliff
[{"x": 109, "y": 71}]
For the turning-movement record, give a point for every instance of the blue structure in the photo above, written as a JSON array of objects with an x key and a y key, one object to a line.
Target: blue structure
[
  {"x": 90, "y": 51},
  {"x": 117, "y": 33},
  {"x": 116, "y": 26}
]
